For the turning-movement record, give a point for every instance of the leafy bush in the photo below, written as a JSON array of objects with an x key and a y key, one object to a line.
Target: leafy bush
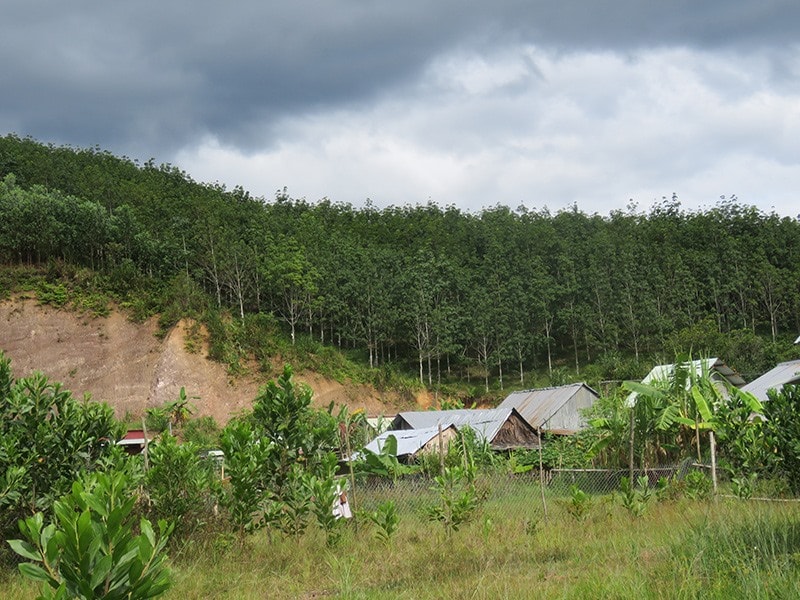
[
  {"x": 782, "y": 428},
  {"x": 179, "y": 484},
  {"x": 46, "y": 440},
  {"x": 275, "y": 455},
  {"x": 578, "y": 504},
  {"x": 457, "y": 500},
  {"x": 386, "y": 520},
  {"x": 698, "y": 486},
  {"x": 635, "y": 499},
  {"x": 90, "y": 551}
]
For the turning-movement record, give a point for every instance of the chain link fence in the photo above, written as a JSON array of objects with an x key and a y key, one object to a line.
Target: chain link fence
[{"x": 518, "y": 495}]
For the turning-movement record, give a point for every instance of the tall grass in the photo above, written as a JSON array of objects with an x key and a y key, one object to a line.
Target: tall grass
[{"x": 677, "y": 549}]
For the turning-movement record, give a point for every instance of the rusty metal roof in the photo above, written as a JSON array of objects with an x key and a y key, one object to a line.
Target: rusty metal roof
[
  {"x": 785, "y": 373},
  {"x": 538, "y": 406}
]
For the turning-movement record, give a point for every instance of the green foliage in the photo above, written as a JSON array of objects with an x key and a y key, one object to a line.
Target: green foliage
[
  {"x": 245, "y": 457},
  {"x": 578, "y": 504},
  {"x": 698, "y": 486},
  {"x": 46, "y": 439},
  {"x": 274, "y": 458},
  {"x": 173, "y": 413},
  {"x": 743, "y": 487},
  {"x": 386, "y": 520},
  {"x": 90, "y": 551},
  {"x": 565, "y": 451},
  {"x": 156, "y": 419},
  {"x": 457, "y": 498},
  {"x": 782, "y": 428},
  {"x": 179, "y": 485},
  {"x": 203, "y": 432},
  {"x": 383, "y": 463},
  {"x": 421, "y": 293},
  {"x": 635, "y": 498},
  {"x": 324, "y": 492},
  {"x": 52, "y": 294}
]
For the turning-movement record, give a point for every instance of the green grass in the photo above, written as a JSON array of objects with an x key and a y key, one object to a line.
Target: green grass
[{"x": 681, "y": 549}]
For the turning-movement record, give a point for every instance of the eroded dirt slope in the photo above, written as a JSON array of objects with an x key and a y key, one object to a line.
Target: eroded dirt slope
[{"x": 124, "y": 364}]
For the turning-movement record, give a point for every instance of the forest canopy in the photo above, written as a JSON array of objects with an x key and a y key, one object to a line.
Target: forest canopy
[{"x": 434, "y": 288}]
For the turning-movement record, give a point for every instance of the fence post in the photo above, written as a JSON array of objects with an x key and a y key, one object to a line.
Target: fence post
[
  {"x": 146, "y": 448},
  {"x": 441, "y": 451},
  {"x": 713, "y": 443},
  {"x": 541, "y": 473},
  {"x": 352, "y": 475},
  {"x": 630, "y": 455}
]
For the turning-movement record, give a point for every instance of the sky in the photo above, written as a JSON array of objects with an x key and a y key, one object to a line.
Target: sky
[{"x": 600, "y": 104}]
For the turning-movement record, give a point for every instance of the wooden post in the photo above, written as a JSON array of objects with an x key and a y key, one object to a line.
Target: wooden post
[
  {"x": 713, "y": 443},
  {"x": 441, "y": 451},
  {"x": 630, "y": 455},
  {"x": 144, "y": 430},
  {"x": 352, "y": 477},
  {"x": 541, "y": 473}
]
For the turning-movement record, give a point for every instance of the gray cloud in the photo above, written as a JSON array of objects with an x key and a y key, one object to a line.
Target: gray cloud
[{"x": 168, "y": 79}]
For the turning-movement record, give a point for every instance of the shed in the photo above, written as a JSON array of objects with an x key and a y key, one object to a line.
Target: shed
[
  {"x": 411, "y": 442},
  {"x": 502, "y": 428},
  {"x": 553, "y": 409},
  {"x": 133, "y": 442},
  {"x": 786, "y": 373},
  {"x": 717, "y": 369}
]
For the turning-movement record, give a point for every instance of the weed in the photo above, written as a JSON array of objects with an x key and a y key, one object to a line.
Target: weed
[{"x": 579, "y": 503}]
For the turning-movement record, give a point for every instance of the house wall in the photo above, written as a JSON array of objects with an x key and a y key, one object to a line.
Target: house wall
[
  {"x": 515, "y": 433},
  {"x": 568, "y": 417},
  {"x": 432, "y": 447}
]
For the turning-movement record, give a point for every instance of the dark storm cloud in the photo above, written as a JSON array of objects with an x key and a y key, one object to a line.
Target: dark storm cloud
[{"x": 154, "y": 76}]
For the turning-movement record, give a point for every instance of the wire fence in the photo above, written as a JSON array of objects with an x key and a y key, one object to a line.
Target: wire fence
[
  {"x": 561, "y": 493},
  {"x": 519, "y": 495}
]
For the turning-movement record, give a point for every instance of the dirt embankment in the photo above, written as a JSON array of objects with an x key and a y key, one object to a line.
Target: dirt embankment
[{"x": 127, "y": 366}]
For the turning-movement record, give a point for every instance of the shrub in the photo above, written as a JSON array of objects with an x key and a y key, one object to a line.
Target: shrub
[
  {"x": 90, "y": 551},
  {"x": 46, "y": 440},
  {"x": 178, "y": 484},
  {"x": 457, "y": 500},
  {"x": 698, "y": 486}
]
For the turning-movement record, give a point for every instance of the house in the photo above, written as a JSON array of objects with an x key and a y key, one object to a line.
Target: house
[
  {"x": 412, "y": 442},
  {"x": 553, "y": 409},
  {"x": 717, "y": 370},
  {"x": 502, "y": 428},
  {"x": 786, "y": 373}
]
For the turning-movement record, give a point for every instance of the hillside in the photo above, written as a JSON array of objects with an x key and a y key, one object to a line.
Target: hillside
[
  {"x": 126, "y": 365},
  {"x": 434, "y": 294}
]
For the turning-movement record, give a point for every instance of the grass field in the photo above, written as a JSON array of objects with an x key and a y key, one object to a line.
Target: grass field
[{"x": 677, "y": 549}]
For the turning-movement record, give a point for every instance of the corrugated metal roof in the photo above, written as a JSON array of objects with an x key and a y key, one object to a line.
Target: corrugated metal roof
[
  {"x": 714, "y": 366},
  {"x": 485, "y": 422},
  {"x": 775, "y": 379},
  {"x": 409, "y": 441},
  {"x": 538, "y": 406}
]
